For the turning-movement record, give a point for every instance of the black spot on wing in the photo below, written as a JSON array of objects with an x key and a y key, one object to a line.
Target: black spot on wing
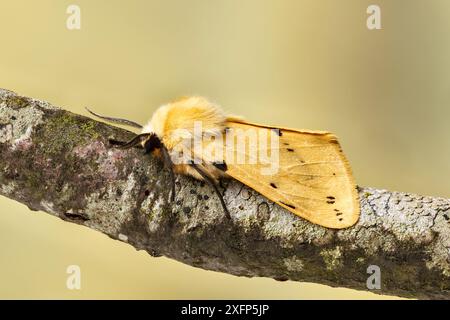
[
  {"x": 330, "y": 201},
  {"x": 288, "y": 205},
  {"x": 290, "y": 149},
  {"x": 273, "y": 185},
  {"x": 331, "y": 197}
]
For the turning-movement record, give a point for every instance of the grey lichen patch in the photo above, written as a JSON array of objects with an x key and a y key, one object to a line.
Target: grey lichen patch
[
  {"x": 66, "y": 193},
  {"x": 8, "y": 188},
  {"x": 440, "y": 259},
  {"x": 6, "y": 132},
  {"x": 107, "y": 161},
  {"x": 49, "y": 207},
  {"x": 333, "y": 258},
  {"x": 44, "y": 104},
  {"x": 15, "y": 101},
  {"x": 190, "y": 208},
  {"x": 403, "y": 214},
  {"x": 263, "y": 211},
  {"x": 372, "y": 241},
  {"x": 293, "y": 264},
  {"x": 5, "y": 93},
  {"x": 246, "y": 215},
  {"x": 154, "y": 204},
  {"x": 280, "y": 224},
  {"x": 107, "y": 210},
  {"x": 21, "y": 123}
]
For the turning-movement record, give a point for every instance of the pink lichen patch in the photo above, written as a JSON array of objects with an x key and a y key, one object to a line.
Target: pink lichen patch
[
  {"x": 108, "y": 165},
  {"x": 107, "y": 159},
  {"x": 91, "y": 149},
  {"x": 22, "y": 144}
]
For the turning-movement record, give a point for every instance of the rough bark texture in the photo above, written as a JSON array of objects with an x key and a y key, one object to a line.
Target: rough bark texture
[{"x": 59, "y": 162}]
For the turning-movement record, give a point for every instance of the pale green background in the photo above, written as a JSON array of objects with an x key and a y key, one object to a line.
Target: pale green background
[{"x": 304, "y": 64}]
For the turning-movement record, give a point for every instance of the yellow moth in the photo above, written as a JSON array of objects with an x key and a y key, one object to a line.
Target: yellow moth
[{"x": 303, "y": 171}]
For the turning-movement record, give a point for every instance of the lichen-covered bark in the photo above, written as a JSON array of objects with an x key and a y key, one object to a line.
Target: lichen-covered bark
[{"x": 61, "y": 163}]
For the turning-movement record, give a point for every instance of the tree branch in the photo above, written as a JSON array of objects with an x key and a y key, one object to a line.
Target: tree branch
[{"x": 61, "y": 163}]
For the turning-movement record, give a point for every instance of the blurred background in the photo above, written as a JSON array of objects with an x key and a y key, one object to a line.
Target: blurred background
[{"x": 304, "y": 64}]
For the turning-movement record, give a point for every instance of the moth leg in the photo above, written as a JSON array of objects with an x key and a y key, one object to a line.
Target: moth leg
[
  {"x": 135, "y": 142},
  {"x": 212, "y": 183},
  {"x": 169, "y": 164}
]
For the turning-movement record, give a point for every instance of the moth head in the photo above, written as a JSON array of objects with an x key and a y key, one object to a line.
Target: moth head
[
  {"x": 151, "y": 142},
  {"x": 148, "y": 141}
]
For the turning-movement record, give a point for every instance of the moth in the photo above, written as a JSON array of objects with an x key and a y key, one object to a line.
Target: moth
[{"x": 307, "y": 172}]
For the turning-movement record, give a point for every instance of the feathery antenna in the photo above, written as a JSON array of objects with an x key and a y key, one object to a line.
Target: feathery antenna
[{"x": 116, "y": 120}]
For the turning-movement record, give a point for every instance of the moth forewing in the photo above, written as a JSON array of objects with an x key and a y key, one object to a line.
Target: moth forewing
[{"x": 313, "y": 178}]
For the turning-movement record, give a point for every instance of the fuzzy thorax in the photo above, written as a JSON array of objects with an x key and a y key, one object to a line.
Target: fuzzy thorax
[{"x": 176, "y": 121}]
